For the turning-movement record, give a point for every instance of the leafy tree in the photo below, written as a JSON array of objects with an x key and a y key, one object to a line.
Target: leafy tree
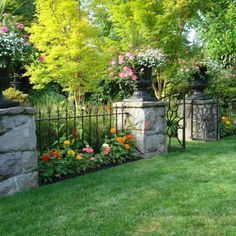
[
  {"x": 69, "y": 46},
  {"x": 218, "y": 30}
]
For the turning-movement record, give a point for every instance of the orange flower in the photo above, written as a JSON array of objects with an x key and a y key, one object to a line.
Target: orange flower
[
  {"x": 127, "y": 146},
  {"x": 228, "y": 122},
  {"x": 113, "y": 130},
  {"x": 54, "y": 153},
  {"x": 120, "y": 140},
  {"x": 59, "y": 158},
  {"x": 129, "y": 137}
]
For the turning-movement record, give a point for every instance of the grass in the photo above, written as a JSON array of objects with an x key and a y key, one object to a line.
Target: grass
[{"x": 181, "y": 193}]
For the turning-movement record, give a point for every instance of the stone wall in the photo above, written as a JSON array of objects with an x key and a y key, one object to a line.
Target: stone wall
[
  {"x": 18, "y": 156},
  {"x": 146, "y": 121}
]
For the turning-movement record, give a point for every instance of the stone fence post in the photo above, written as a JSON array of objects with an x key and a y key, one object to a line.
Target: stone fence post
[
  {"x": 18, "y": 156},
  {"x": 146, "y": 121}
]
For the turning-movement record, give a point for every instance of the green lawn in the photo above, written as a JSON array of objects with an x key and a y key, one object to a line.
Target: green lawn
[{"x": 181, "y": 193}]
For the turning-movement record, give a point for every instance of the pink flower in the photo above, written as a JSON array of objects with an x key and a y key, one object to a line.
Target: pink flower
[
  {"x": 27, "y": 43},
  {"x": 88, "y": 150},
  {"x": 20, "y": 26},
  {"x": 234, "y": 122},
  {"x": 122, "y": 75},
  {"x": 107, "y": 150},
  {"x": 129, "y": 71},
  {"x": 140, "y": 54},
  {"x": 41, "y": 59},
  {"x": 121, "y": 59},
  {"x": 131, "y": 56},
  {"x": 4, "y": 29},
  {"x": 142, "y": 69},
  {"x": 112, "y": 62},
  {"x": 134, "y": 77},
  {"x": 92, "y": 159}
]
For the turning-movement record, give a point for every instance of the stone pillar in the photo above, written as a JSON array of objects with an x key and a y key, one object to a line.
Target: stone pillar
[
  {"x": 18, "y": 156},
  {"x": 200, "y": 119},
  {"x": 146, "y": 121}
]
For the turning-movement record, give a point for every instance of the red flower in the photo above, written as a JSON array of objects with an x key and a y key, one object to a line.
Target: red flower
[
  {"x": 45, "y": 157},
  {"x": 129, "y": 137}
]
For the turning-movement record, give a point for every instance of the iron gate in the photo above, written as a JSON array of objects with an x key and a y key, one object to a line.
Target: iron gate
[
  {"x": 175, "y": 118},
  {"x": 205, "y": 119}
]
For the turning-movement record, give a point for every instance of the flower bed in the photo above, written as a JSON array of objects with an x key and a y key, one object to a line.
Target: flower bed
[
  {"x": 70, "y": 160},
  {"x": 228, "y": 125}
]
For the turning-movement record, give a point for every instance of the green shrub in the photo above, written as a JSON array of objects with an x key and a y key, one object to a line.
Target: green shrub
[{"x": 15, "y": 95}]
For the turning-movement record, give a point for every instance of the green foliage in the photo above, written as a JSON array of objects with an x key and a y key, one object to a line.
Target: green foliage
[
  {"x": 22, "y": 9},
  {"x": 218, "y": 30},
  {"x": 49, "y": 96},
  {"x": 69, "y": 47},
  {"x": 15, "y": 95}
]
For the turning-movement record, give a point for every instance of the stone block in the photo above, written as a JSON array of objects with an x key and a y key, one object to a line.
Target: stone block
[
  {"x": 19, "y": 183},
  {"x": 23, "y": 137},
  {"x": 154, "y": 142},
  {"x": 16, "y": 163},
  {"x": 10, "y": 165},
  {"x": 29, "y": 161}
]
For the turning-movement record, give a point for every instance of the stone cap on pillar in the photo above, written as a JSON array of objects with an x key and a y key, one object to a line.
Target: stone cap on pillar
[
  {"x": 140, "y": 104},
  {"x": 17, "y": 111}
]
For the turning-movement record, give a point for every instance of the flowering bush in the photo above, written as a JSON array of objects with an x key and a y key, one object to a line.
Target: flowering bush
[
  {"x": 132, "y": 65},
  {"x": 200, "y": 68},
  {"x": 228, "y": 125},
  {"x": 69, "y": 160},
  {"x": 14, "y": 45}
]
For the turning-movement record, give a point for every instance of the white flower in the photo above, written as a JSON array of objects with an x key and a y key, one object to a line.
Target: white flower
[
  {"x": 151, "y": 58},
  {"x": 105, "y": 145}
]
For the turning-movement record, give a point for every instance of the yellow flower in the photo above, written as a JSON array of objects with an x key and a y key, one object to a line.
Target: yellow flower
[
  {"x": 67, "y": 142},
  {"x": 78, "y": 157},
  {"x": 71, "y": 152},
  {"x": 228, "y": 122}
]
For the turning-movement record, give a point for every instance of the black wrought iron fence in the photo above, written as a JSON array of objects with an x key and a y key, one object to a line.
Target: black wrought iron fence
[{"x": 87, "y": 125}]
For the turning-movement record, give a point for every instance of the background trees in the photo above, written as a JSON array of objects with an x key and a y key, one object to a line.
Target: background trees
[{"x": 77, "y": 38}]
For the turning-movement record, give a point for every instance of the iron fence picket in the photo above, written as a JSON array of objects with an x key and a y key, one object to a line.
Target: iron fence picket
[{"x": 66, "y": 119}]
